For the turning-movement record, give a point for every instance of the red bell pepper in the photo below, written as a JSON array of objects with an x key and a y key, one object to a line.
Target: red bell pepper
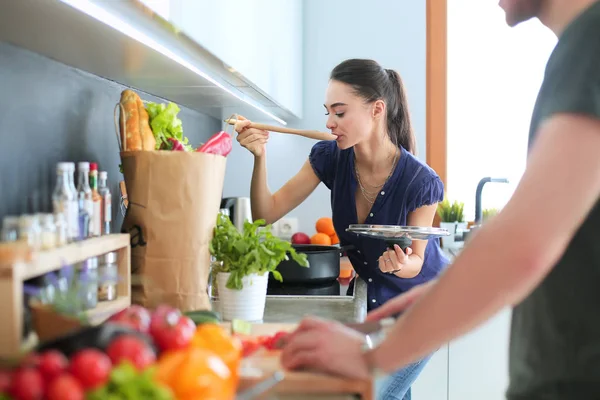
[{"x": 220, "y": 143}]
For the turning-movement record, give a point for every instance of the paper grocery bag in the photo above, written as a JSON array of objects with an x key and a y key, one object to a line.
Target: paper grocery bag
[{"x": 174, "y": 198}]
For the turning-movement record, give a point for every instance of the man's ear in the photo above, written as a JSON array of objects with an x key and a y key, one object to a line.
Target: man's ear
[{"x": 379, "y": 109}]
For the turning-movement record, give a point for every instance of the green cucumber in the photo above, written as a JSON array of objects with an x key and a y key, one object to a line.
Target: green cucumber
[
  {"x": 240, "y": 326},
  {"x": 203, "y": 316}
]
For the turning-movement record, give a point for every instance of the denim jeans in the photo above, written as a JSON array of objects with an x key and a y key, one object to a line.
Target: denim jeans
[{"x": 396, "y": 386}]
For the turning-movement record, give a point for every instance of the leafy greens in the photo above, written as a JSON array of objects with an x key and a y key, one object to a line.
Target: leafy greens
[
  {"x": 165, "y": 124},
  {"x": 254, "y": 250}
]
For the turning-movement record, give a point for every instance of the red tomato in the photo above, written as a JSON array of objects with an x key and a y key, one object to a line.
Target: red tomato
[
  {"x": 134, "y": 316},
  {"x": 249, "y": 347},
  {"x": 52, "y": 364},
  {"x": 65, "y": 387},
  {"x": 172, "y": 331},
  {"x": 91, "y": 367},
  {"x": 277, "y": 340},
  {"x": 132, "y": 349},
  {"x": 27, "y": 384},
  {"x": 5, "y": 380},
  {"x": 158, "y": 316}
]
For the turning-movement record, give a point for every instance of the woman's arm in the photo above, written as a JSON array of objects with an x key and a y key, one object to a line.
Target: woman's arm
[{"x": 271, "y": 207}]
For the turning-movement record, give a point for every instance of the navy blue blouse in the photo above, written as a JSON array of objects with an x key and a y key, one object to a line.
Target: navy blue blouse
[{"x": 412, "y": 185}]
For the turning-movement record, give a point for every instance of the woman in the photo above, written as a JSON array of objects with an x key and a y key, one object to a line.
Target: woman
[{"x": 374, "y": 178}]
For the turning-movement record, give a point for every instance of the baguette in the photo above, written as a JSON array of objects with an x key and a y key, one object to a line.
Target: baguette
[{"x": 137, "y": 135}]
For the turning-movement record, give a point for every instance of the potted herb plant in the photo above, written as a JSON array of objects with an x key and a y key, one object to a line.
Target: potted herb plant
[
  {"x": 452, "y": 218},
  {"x": 245, "y": 260}
]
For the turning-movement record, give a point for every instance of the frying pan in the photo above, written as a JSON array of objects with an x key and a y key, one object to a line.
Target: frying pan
[{"x": 324, "y": 265}]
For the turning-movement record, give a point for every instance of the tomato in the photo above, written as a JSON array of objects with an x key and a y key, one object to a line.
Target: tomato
[
  {"x": 5, "y": 380},
  {"x": 195, "y": 373},
  {"x": 91, "y": 367},
  {"x": 249, "y": 347},
  {"x": 27, "y": 384},
  {"x": 277, "y": 340},
  {"x": 156, "y": 320},
  {"x": 65, "y": 387},
  {"x": 134, "y": 316},
  {"x": 132, "y": 349},
  {"x": 172, "y": 331},
  {"x": 52, "y": 363}
]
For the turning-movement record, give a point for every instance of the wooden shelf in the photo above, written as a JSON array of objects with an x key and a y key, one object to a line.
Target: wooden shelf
[
  {"x": 52, "y": 260},
  {"x": 27, "y": 265}
]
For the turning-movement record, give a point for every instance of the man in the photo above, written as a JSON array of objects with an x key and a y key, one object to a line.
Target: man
[{"x": 541, "y": 253}]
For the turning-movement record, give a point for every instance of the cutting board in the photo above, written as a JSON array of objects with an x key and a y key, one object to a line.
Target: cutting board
[{"x": 264, "y": 363}]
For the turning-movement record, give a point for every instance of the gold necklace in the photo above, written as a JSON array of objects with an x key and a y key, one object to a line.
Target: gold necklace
[{"x": 372, "y": 196}]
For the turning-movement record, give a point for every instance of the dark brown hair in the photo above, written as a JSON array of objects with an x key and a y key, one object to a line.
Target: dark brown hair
[{"x": 372, "y": 82}]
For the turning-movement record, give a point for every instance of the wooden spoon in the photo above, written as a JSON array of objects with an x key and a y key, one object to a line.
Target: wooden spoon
[{"x": 317, "y": 135}]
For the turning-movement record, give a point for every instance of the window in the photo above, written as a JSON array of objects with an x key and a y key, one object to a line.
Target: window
[{"x": 494, "y": 73}]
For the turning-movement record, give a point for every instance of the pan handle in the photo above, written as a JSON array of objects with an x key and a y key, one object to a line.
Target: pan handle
[{"x": 403, "y": 241}]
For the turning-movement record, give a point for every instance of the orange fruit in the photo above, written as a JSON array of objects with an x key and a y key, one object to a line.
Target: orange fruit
[
  {"x": 320, "y": 238},
  {"x": 334, "y": 239},
  {"x": 325, "y": 225}
]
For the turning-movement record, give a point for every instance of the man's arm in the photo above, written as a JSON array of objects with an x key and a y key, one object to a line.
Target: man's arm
[{"x": 513, "y": 252}]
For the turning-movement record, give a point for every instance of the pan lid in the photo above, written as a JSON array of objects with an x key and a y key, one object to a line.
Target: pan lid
[{"x": 394, "y": 231}]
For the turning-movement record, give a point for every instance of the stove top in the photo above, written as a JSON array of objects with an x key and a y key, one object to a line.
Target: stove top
[{"x": 339, "y": 287}]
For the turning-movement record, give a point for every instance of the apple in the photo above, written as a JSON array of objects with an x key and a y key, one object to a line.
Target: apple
[{"x": 300, "y": 238}]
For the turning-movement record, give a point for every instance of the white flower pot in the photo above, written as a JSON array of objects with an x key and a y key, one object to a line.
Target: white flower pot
[
  {"x": 247, "y": 304},
  {"x": 448, "y": 241}
]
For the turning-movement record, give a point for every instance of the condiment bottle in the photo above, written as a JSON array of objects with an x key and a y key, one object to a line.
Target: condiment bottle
[
  {"x": 84, "y": 196},
  {"x": 64, "y": 198},
  {"x": 106, "y": 202},
  {"x": 96, "y": 215}
]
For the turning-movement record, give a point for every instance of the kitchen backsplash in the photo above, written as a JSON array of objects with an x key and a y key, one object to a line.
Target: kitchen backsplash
[{"x": 50, "y": 112}]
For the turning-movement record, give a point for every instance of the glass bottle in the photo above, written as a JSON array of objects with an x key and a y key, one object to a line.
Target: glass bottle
[
  {"x": 64, "y": 200},
  {"x": 106, "y": 202},
  {"x": 62, "y": 230},
  {"x": 108, "y": 276},
  {"x": 84, "y": 195},
  {"x": 96, "y": 215},
  {"x": 73, "y": 216}
]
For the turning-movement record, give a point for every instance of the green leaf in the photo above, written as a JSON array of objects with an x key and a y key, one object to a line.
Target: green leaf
[
  {"x": 165, "y": 124},
  {"x": 253, "y": 250}
]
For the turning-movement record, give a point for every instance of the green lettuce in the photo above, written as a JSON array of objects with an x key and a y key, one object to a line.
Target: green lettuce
[{"x": 165, "y": 124}]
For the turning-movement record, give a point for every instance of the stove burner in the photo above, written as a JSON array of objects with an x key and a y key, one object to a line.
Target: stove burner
[{"x": 335, "y": 288}]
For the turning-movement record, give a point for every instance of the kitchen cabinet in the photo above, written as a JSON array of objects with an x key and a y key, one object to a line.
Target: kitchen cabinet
[
  {"x": 478, "y": 362},
  {"x": 260, "y": 39},
  {"x": 432, "y": 383}
]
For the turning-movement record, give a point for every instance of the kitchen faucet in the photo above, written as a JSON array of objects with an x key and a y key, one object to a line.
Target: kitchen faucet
[{"x": 480, "y": 185}]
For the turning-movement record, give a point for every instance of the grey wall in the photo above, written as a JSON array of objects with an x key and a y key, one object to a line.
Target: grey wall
[
  {"x": 50, "y": 112},
  {"x": 391, "y": 32}
]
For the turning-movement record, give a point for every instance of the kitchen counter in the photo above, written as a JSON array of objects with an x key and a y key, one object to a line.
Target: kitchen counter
[{"x": 291, "y": 309}]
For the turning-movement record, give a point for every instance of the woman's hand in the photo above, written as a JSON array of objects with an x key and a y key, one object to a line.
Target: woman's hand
[
  {"x": 253, "y": 139},
  {"x": 392, "y": 261}
]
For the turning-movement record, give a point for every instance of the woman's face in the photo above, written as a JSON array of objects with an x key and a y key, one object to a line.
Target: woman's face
[{"x": 348, "y": 116}]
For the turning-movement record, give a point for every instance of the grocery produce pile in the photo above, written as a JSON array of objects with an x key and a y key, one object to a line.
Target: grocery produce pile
[{"x": 137, "y": 354}]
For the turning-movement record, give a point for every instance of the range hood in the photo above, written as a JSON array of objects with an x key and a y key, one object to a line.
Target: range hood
[{"x": 128, "y": 43}]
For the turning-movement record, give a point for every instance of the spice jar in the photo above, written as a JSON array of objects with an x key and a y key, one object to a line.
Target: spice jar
[
  {"x": 62, "y": 229},
  {"x": 10, "y": 229},
  {"x": 88, "y": 282},
  {"x": 48, "y": 232},
  {"x": 29, "y": 231},
  {"x": 108, "y": 276}
]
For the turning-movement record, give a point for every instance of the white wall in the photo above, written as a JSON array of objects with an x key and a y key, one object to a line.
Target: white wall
[{"x": 389, "y": 31}]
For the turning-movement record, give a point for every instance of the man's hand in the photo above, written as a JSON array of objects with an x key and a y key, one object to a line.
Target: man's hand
[
  {"x": 326, "y": 346},
  {"x": 399, "y": 303}
]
